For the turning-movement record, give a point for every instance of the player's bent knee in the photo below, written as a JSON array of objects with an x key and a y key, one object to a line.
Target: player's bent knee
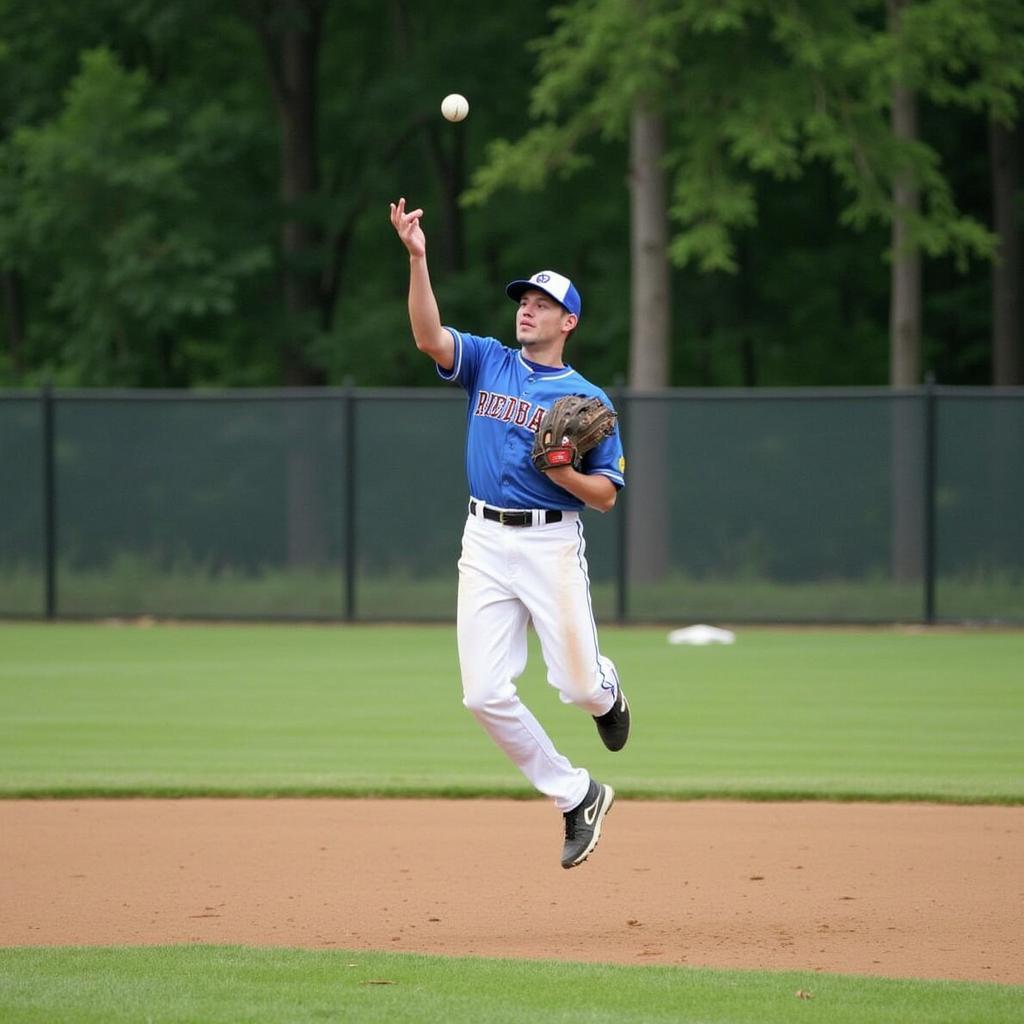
[
  {"x": 491, "y": 703},
  {"x": 475, "y": 703}
]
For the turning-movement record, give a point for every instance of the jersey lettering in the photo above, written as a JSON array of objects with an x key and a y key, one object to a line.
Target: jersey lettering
[{"x": 509, "y": 409}]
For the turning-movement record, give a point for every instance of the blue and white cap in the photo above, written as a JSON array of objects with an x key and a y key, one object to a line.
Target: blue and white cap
[{"x": 560, "y": 288}]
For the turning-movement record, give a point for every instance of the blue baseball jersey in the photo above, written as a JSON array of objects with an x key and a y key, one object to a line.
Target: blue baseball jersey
[{"x": 508, "y": 396}]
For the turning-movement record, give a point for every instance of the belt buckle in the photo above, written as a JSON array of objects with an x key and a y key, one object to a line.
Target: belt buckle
[{"x": 501, "y": 517}]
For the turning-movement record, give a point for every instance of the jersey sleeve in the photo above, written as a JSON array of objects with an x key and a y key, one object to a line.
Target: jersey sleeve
[
  {"x": 607, "y": 458},
  {"x": 467, "y": 360}
]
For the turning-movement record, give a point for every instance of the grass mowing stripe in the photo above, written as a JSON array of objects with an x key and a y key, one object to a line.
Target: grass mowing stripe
[
  {"x": 215, "y": 984},
  {"x": 292, "y": 710}
]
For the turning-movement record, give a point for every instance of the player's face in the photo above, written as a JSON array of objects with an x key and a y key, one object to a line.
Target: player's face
[{"x": 540, "y": 321}]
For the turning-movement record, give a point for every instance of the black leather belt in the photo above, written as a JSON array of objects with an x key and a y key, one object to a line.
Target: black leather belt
[{"x": 515, "y": 517}]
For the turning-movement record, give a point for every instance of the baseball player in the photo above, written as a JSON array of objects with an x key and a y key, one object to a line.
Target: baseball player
[{"x": 523, "y": 552}]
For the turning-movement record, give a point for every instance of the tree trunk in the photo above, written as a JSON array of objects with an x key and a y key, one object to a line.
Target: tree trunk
[
  {"x": 307, "y": 504},
  {"x": 1003, "y": 448},
  {"x": 650, "y": 313},
  {"x": 14, "y": 309},
  {"x": 648, "y": 527},
  {"x": 1004, "y": 158},
  {"x": 290, "y": 31},
  {"x": 905, "y": 342},
  {"x": 905, "y": 276}
]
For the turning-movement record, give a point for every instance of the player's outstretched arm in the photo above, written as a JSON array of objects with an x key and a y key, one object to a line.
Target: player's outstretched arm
[{"x": 424, "y": 317}]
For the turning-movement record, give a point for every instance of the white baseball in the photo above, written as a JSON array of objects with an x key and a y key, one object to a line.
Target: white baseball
[{"x": 454, "y": 107}]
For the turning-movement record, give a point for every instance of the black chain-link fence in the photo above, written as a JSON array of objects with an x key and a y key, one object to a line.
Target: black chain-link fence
[{"x": 845, "y": 505}]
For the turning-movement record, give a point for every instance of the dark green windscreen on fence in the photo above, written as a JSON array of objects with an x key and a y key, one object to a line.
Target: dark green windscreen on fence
[
  {"x": 203, "y": 507},
  {"x": 748, "y": 508},
  {"x": 980, "y": 507},
  {"x": 410, "y": 504},
  {"x": 22, "y": 528},
  {"x": 796, "y": 506}
]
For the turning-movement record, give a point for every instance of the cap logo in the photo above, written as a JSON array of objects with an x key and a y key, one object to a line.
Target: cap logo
[{"x": 559, "y": 287}]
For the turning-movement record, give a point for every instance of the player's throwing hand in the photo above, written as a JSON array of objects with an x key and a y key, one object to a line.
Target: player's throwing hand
[{"x": 407, "y": 225}]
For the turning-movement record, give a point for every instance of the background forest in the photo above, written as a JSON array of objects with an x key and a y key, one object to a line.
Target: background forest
[{"x": 747, "y": 193}]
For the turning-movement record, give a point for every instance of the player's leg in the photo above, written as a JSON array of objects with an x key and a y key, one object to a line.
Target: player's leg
[
  {"x": 557, "y": 593},
  {"x": 492, "y": 643}
]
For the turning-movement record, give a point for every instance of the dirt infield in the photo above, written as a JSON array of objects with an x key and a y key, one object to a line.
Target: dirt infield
[{"x": 896, "y": 890}]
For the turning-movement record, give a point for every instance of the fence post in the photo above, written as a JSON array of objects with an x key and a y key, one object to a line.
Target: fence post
[
  {"x": 49, "y": 502},
  {"x": 930, "y": 464},
  {"x": 349, "y": 501}
]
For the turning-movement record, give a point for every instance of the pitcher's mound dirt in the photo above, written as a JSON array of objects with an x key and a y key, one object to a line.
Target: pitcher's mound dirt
[{"x": 896, "y": 890}]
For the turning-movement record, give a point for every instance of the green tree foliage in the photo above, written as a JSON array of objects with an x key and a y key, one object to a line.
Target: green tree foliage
[
  {"x": 141, "y": 211},
  {"x": 751, "y": 87},
  {"x": 130, "y": 258},
  {"x": 122, "y": 225},
  {"x": 967, "y": 53},
  {"x": 759, "y": 95}
]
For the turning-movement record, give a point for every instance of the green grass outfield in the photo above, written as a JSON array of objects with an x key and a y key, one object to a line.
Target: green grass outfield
[
  {"x": 880, "y": 714},
  {"x": 226, "y": 985},
  {"x": 127, "y": 710}
]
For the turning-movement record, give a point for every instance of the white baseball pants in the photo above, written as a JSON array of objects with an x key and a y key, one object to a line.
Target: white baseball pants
[{"x": 508, "y": 577}]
